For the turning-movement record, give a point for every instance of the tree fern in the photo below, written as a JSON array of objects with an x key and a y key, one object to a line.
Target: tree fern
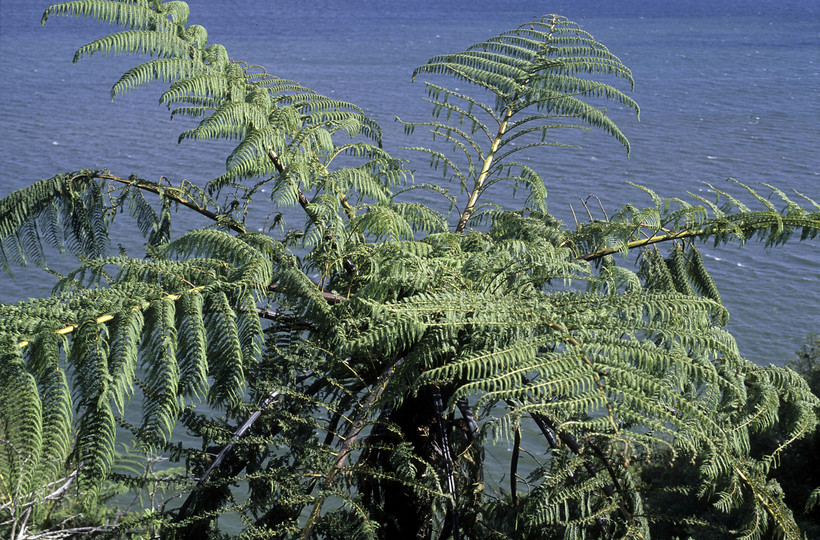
[{"x": 358, "y": 369}]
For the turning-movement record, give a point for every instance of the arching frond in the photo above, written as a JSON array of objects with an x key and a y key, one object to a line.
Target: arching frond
[
  {"x": 532, "y": 74},
  {"x": 133, "y": 15},
  {"x": 162, "y": 69},
  {"x": 137, "y": 42}
]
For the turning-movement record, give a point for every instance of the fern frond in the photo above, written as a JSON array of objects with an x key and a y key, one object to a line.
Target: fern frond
[
  {"x": 707, "y": 221},
  {"x": 55, "y": 396},
  {"x": 532, "y": 72},
  {"x": 71, "y": 202},
  {"x": 160, "y": 403},
  {"x": 21, "y": 433},
  {"x": 133, "y": 15},
  {"x": 225, "y": 352},
  {"x": 146, "y": 42},
  {"x": 126, "y": 331},
  {"x": 94, "y": 445},
  {"x": 161, "y": 69},
  {"x": 191, "y": 346}
]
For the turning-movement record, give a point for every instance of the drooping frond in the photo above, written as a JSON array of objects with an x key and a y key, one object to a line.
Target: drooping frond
[
  {"x": 162, "y": 69},
  {"x": 21, "y": 433},
  {"x": 67, "y": 211},
  {"x": 74, "y": 211},
  {"x": 136, "y": 42},
  {"x": 134, "y": 328},
  {"x": 133, "y": 15}
]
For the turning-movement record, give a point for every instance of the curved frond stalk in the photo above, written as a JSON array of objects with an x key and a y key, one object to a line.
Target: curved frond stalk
[{"x": 365, "y": 410}]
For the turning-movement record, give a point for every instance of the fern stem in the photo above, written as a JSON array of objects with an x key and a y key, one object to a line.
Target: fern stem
[
  {"x": 182, "y": 513},
  {"x": 545, "y": 423},
  {"x": 330, "y": 298},
  {"x": 644, "y": 242},
  {"x": 438, "y": 409},
  {"x": 788, "y": 532},
  {"x": 514, "y": 465},
  {"x": 170, "y": 194},
  {"x": 485, "y": 170}
]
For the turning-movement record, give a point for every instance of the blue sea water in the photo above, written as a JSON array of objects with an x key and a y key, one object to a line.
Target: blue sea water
[{"x": 727, "y": 89}]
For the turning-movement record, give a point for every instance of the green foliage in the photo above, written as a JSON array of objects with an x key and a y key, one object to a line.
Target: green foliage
[
  {"x": 533, "y": 74},
  {"x": 679, "y": 512},
  {"x": 356, "y": 371}
]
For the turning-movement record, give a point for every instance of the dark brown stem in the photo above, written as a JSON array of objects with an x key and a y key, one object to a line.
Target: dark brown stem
[
  {"x": 269, "y": 399},
  {"x": 514, "y": 466},
  {"x": 444, "y": 442},
  {"x": 578, "y": 450}
]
